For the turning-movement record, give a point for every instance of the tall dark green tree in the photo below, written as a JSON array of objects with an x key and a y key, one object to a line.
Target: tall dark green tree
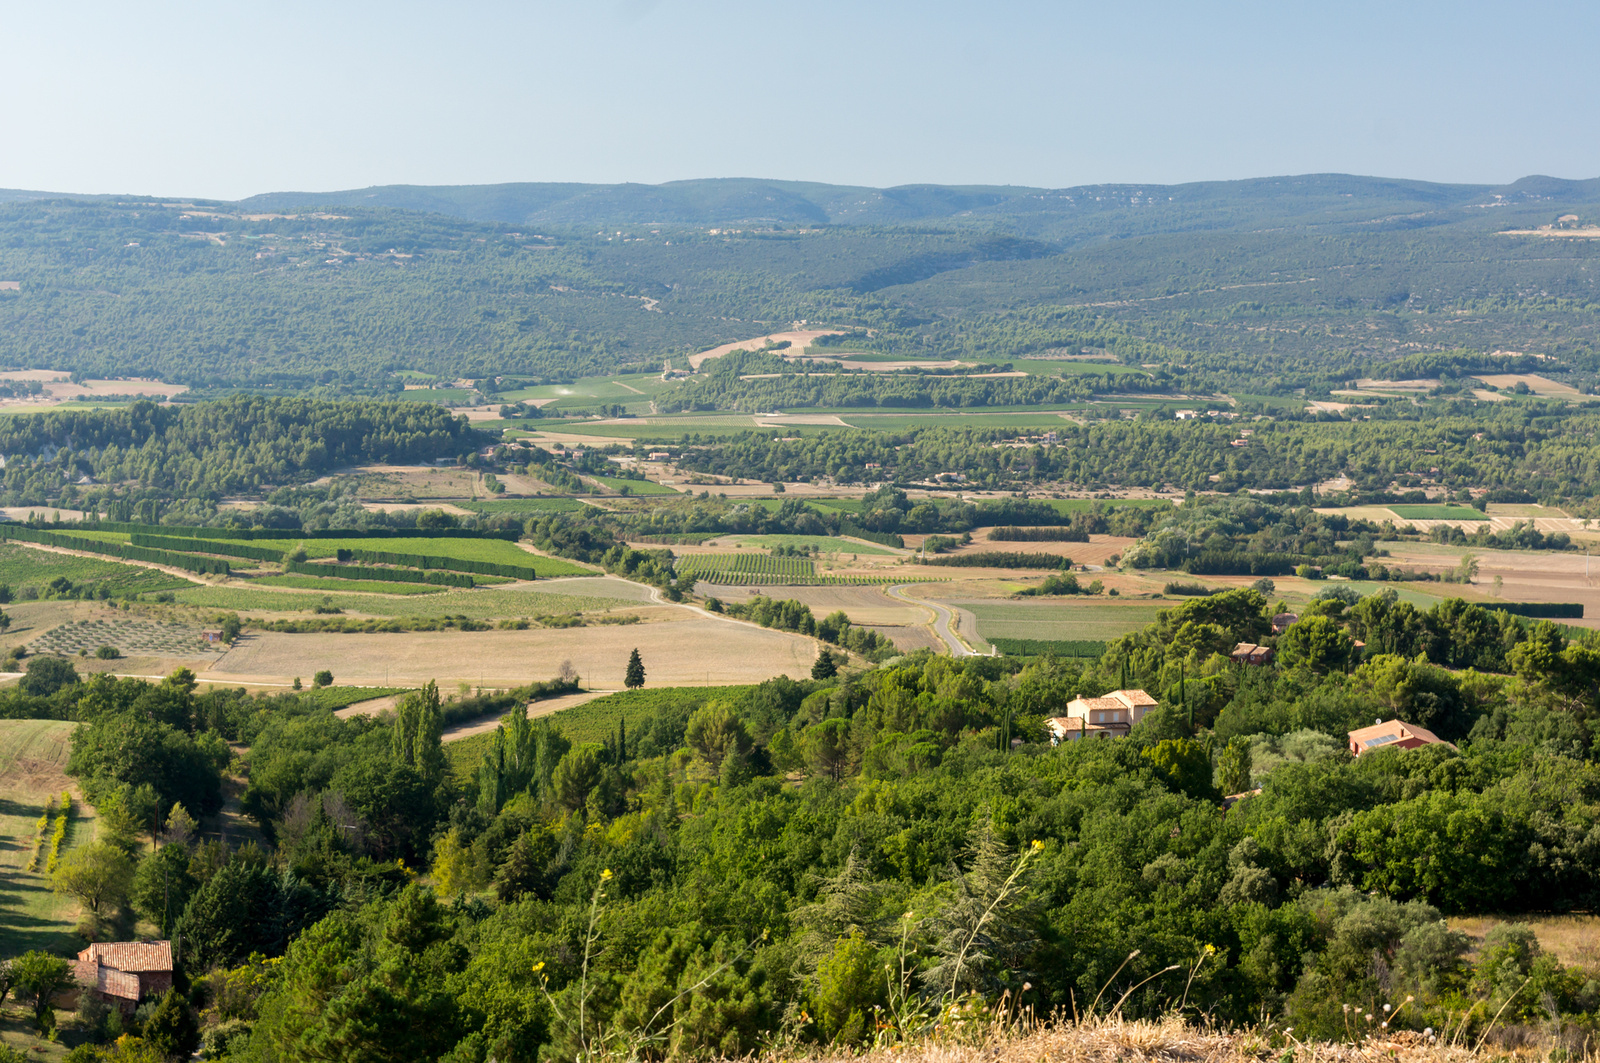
[{"x": 634, "y": 679}]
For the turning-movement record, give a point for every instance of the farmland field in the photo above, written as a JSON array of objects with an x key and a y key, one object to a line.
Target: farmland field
[
  {"x": 1437, "y": 513},
  {"x": 496, "y": 551},
  {"x": 33, "y": 756},
  {"x": 329, "y": 585},
  {"x": 21, "y": 566},
  {"x": 822, "y": 543},
  {"x": 753, "y": 570},
  {"x": 525, "y": 505},
  {"x": 130, "y": 635},
  {"x": 633, "y": 487},
  {"x": 1096, "y": 620},
  {"x": 692, "y": 651},
  {"x": 340, "y": 697},
  {"x": 478, "y": 604}
]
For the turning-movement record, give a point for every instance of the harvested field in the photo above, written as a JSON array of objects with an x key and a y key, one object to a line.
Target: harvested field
[
  {"x": 1093, "y": 552},
  {"x": 1527, "y": 576},
  {"x": 863, "y": 605},
  {"x": 798, "y": 341},
  {"x": 691, "y": 651},
  {"x": 910, "y": 639},
  {"x": 1539, "y": 385}
]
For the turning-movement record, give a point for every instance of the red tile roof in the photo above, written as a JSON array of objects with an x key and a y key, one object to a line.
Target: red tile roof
[{"x": 132, "y": 956}]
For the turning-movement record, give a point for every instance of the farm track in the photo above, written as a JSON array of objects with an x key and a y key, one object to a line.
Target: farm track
[{"x": 942, "y": 624}]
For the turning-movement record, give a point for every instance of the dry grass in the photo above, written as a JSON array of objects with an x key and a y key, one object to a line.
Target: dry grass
[
  {"x": 1573, "y": 939},
  {"x": 1173, "y": 1041}
]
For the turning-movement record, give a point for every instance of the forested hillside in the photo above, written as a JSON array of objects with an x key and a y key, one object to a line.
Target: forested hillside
[{"x": 1263, "y": 284}]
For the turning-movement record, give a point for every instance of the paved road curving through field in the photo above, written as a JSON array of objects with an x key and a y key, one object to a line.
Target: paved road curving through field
[{"x": 942, "y": 624}]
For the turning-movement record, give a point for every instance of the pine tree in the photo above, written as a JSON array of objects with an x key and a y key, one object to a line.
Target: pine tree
[
  {"x": 824, "y": 667},
  {"x": 635, "y": 675}
]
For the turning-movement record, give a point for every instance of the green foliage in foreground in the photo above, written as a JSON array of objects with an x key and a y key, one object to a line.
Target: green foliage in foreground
[{"x": 776, "y": 847}]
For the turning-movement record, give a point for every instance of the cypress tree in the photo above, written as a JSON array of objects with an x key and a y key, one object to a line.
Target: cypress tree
[{"x": 634, "y": 679}]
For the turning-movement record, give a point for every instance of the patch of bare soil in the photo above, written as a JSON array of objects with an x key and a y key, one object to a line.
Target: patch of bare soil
[
  {"x": 1093, "y": 552},
  {"x": 908, "y": 639},
  {"x": 798, "y": 340}
]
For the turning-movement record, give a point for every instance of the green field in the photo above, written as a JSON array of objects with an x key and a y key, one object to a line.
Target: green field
[
  {"x": 494, "y": 550},
  {"x": 478, "y": 604},
  {"x": 345, "y": 586},
  {"x": 590, "y": 391},
  {"x": 524, "y": 505},
  {"x": 33, "y": 754},
  {"x": 1094, "y": 619},
  {"x": 22, "y": 566},
  {"x": 96, "y": 535},
  {"x": 1437, "y": 513},
  {"x": 824, "y": 543},
  {"x": 763, "y": 570},
  {"x": 340, "y": 697},
  {"x": 632, "y": 487}
]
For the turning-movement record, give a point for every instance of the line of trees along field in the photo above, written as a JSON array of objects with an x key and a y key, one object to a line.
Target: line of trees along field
[{"x": 659, "y": 881}]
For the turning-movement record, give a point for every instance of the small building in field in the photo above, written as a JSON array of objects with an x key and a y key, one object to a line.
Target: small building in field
[
  {"x": 659, "y": 455},
  {"x": 125, "y": 972},
  {"x": 1114, "y": 714},
  {"x": 1281, "y": 622},
  {"x": 1250, "y": 653},
  {"x": 1393, "y": 733}
]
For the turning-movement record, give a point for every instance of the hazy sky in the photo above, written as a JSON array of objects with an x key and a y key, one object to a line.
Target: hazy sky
[{"x": 229, "y": 99}]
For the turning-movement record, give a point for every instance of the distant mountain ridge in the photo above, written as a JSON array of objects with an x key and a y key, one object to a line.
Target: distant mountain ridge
[{"x": 732, "y": 201}]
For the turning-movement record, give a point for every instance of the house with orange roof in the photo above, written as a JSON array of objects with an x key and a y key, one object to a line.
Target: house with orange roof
[
  {"x": 1110, "y": 715},
  {"x": 1396, "y": 734}
]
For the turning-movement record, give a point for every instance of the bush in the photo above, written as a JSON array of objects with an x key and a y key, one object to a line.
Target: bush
[
  {"x": 108, "y": 653},
  {"x": 1191, "y": 590},
  {"x": 323, "y": 678}
]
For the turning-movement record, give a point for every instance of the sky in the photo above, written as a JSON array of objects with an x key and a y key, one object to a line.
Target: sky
[{"x": 227, "y": 100}]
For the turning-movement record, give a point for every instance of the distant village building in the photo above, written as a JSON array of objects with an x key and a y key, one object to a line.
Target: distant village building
[
  {"x": 125, "y": 972},
  {"x": 1281, "y": 622},
  {"x": 1109, "y": 716},
  {"x": 659, "y": 455},
  {"x": 1393, "y": 733},
  {"x": 1250, "y": 653},
  {"x": 1187, "y": 415}
]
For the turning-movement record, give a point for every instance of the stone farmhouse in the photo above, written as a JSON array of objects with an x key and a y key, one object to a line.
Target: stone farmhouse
[{"x": 1112, "y": 715}]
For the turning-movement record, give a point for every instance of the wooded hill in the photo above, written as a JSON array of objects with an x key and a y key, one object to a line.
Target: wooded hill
[{"x": 1257, "y": 285}]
